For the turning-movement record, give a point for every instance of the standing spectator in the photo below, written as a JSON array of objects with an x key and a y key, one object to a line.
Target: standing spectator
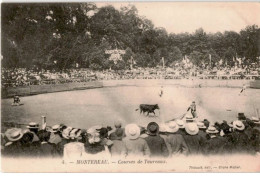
[
  {"x": 46, "y": 149},
  {"x": 156, "y": 143},
  {"x": 192, "y": 138},
  {"x": 175, "y": 141},
  {"x": 133, "y": 144},
  {"x": 33, "y": 128},
  {"x": 118, "y": 145},
  {"x": 215, "y": 144}
]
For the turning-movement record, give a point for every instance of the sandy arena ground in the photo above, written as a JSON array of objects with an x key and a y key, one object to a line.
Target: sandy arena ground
[{"x": 103, "y": 106}]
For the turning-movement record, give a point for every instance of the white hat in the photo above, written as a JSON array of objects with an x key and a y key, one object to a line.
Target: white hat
[
  {"x": 237, "y": 124},
  {"x": 33, "y": 125},
  {"x": 132, "y": 131},
  {"x": 201, "y": 125},
  {"x": 14, "y": 134},
  {"x": 212, "y": 130},
  {"x": 256, "y": 120},
  {"x": 66, "y": 132},
  {"x": 55, "y": 128},
  {"x": 189, "y": 118},
  {"x": 162, "y": 127},
  {"x": 180, "y": 123},
  {"x": 192, "y": 128},
  {"x": 172, "y": 127}
]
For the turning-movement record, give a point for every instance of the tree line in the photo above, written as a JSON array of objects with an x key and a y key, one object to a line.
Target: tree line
[{"x": 62, "y": 35}]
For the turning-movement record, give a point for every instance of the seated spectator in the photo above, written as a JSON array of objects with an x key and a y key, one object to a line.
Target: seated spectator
[
  {"x": 13, "y": 148},
  {"x": 156, "y": 143},
  {"x": 175, "y": 141},
  {"x": 133, "y": 144}
]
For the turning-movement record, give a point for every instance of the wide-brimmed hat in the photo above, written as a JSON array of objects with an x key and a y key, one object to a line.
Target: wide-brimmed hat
[
  {"x": 189, "y": 118},
  {"x": 132, "y": 131},
  {"x": 201, "y": 125},
  {"x": 212, "y": 130},
  {"x": 256, "y": 120},
  {"x": 241, "y": 116},
  {"x": 192, "y": 128},
  {"x": 33, "y": 125},
  {"x": 180, "y": 123},
  {"x": 66, "y": 132},
  {"x": 75, "y": 133},
  {"x": 162, "y": 127},
  {"x": 152, "y": 128},
  {"x": 172, "y": 127},
  {"x": 55, "y": 128},
  {"x": 238, "y": 125},
  {"x": 14, "y": 134}
]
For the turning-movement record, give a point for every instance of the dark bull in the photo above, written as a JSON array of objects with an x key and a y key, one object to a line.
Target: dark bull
[{"x": 148, "y": 108}]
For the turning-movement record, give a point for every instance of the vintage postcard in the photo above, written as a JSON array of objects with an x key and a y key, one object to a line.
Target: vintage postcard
[{"x": 130, "y": 87}]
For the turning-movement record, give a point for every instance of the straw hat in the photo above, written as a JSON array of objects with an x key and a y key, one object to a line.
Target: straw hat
[
  {"x": 162, "y": 127},
  {"x": 55, "y": 128},
  {"x": 189, "y": 118},
  {"x": 180, "y": 123},
  {"x": 14, "y": 134},
  {"x": 172, "y": 127},
  {"x": 201, "y": 125},
  {"x": 238, "y": 125},
  {"x": 33, "y": 125},
  {"x": 256, "y": 120},
  {"x": 66, "y": 132},
  {"x": 192, "y": 128},
  {"x": 212, "y": 130},
  {"x": 153, "y": 128},
  {"x": 132, "y": 131}
]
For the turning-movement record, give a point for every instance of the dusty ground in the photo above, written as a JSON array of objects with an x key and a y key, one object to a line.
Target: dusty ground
[{"x": 85, "y": 108}]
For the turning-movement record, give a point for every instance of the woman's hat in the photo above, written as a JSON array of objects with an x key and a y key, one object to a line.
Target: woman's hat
[
  {"x": 201, "y": 125},
  {"x": 55, "y": 128},
  {"x": 75, "y": 133},
  {"x": 66, "y": 132},
  {"x": 14, "y": 134},
  {"x": 153, "y": 128},
  {"x": 33, "y": 125},
  {"x": 132, "y": 131},
  {"x": 256, "y": 120},
  {"x": 212, "y": 130},
  {"x": 180, "y": 123},
  {"x": 192, "y": 128},
  {"x": 238, "y": 125},
  {"x": 172, "y": 127}
]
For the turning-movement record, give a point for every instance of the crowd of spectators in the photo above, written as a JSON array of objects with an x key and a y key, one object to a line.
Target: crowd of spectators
[
  {"x": 23, "y": 77},
  {"x": 178, "y": 137}
]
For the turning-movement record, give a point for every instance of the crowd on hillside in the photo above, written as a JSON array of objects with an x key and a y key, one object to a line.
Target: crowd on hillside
[
  {"x": 23, "y": 77},
  {"x": 179, "y": 137}
]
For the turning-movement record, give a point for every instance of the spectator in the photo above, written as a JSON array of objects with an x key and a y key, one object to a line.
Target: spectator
[
  {"x": 118, "y": 145},
  {"x": 133, "y": 144},
  {"x": 33, "y": 128},
  {"x": 181, "y": 126},
  {"x": 13, "y": 148},
  {"x": 175, "y": 141},
  {"x": 46, "y": 149},
  {"x": 156, "y": 143},
  {"x": 55, "y": 135}
]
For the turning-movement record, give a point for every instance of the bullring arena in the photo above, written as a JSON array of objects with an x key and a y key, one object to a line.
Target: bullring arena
[{"x": 119, "y": 99}]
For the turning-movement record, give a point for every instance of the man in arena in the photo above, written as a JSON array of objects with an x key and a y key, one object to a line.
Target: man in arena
[
  {"x": 192, "y": 108},
  {"x": 16, "y": 100}
]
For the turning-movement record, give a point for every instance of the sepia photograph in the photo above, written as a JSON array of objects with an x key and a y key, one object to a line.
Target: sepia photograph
[{"x": 130, "y": 87}]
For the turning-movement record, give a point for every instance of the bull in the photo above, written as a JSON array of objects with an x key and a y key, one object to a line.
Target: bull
[{"x": 148, "y": 108}]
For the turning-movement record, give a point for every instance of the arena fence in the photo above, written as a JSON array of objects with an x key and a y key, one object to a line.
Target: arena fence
[{"x": 40, "y": 89}]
